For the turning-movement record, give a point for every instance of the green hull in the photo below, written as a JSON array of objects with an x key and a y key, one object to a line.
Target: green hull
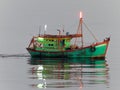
[{"x": 99, "y": 50}]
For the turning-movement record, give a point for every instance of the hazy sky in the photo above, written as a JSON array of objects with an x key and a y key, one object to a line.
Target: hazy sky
[{"x": 20, "y": 19}]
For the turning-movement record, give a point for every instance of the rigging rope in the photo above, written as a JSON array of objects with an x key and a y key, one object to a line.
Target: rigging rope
[{"x": 90, "y": 32}]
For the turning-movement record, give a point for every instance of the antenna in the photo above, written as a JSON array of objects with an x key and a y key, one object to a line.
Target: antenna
[
  {"x": 45, "y": 27},
  {"x": 63, "y": 29},
  {"x": 39, "y": 30}
]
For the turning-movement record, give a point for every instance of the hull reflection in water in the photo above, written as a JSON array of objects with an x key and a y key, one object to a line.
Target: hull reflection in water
[{"x": 62, "y": 73}]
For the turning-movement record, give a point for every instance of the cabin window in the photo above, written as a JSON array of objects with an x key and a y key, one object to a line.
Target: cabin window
[
  {"x": 50, "y": 44},
  {"x": 50, "y": 40}
]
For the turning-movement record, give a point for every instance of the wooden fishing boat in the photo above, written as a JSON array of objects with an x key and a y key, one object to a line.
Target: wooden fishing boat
[{"x": 47, "y": 45}]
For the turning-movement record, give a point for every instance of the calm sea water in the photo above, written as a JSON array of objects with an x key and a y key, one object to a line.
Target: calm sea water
[{"x": 20, "y": 72}]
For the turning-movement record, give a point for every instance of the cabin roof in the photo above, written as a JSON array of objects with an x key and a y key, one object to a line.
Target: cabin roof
[{"x": 61, "y": 36}]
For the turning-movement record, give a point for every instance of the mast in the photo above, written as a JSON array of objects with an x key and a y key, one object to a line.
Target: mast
[
  {"x": 80, "y": 31},
  {"x": 81, "y": 21}
]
